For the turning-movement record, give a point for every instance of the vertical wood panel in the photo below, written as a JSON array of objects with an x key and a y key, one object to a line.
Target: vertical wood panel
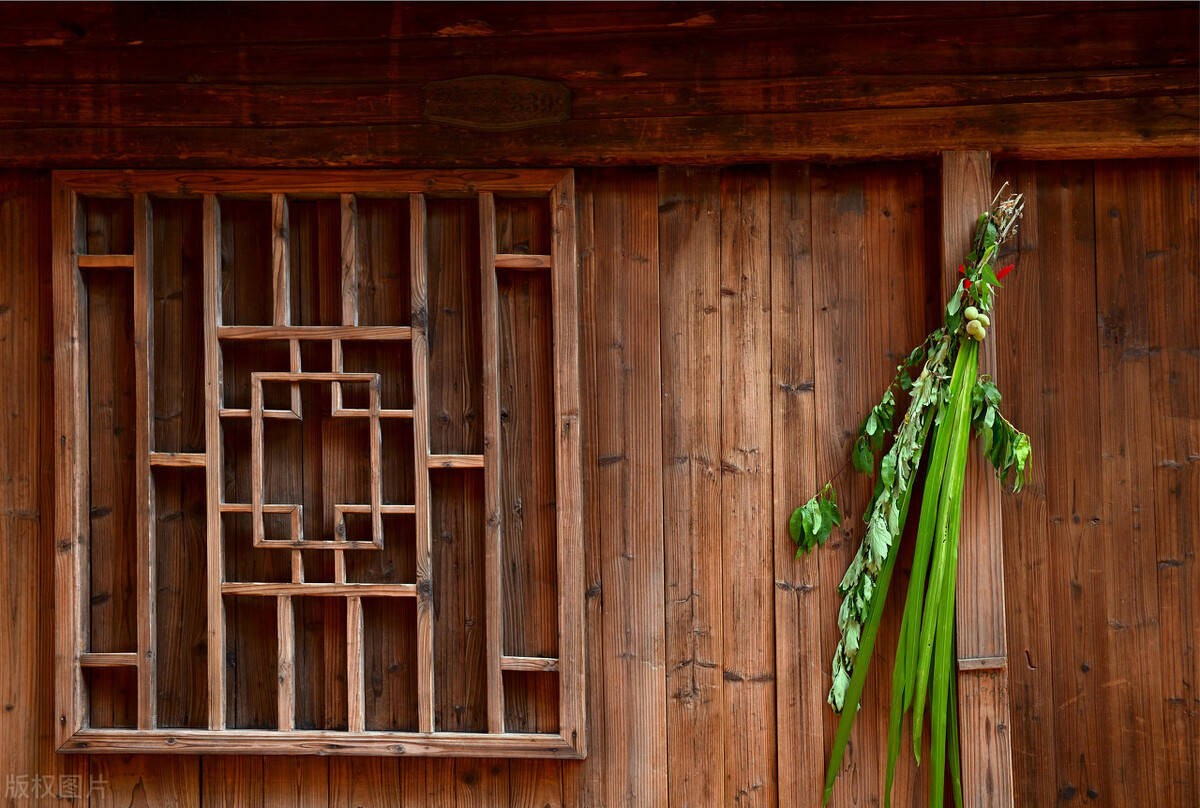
[
  {"x": 689, "y": 225},
  {"x": 143, "y": 339},
  {"x": 1074, "y": 491},
  {"x": 966, "y": 191},
  {"x": 1130, "y": 226},
  {"x": 799, "y": 666},
  {"x": 215, "y": 563},
  {"x": 1027, "y": 562},
  {"x": 748, "y": 666},
  {"x": 1171, "y": 224},
  {"x": 621, "y": 286}
]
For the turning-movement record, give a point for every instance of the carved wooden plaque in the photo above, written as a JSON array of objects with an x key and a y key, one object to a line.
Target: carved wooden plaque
[
  {"x": 496, "y": 103},
  {"x": 319, "y": 444}
]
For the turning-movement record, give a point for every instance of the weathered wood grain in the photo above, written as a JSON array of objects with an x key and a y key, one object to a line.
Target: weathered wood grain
[
  {"x": 1169, "y": 224},
  {"x": 1026, "y": 544},
  {"x": 747, "y": 599},
  {"x": 1074, "y": 482},
  {"x": 689, "y": 225},
  {"x": 965, "y": 193}
]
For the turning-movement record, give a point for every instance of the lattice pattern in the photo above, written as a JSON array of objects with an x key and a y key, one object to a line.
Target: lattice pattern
[{"x": 75, "y": 732}]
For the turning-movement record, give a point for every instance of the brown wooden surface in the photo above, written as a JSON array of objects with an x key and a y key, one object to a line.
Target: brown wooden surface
[
  {"x": 1082, "y": 598},
  {"x": 96, "y": 83},
  {"x": 982, "y": 679}
]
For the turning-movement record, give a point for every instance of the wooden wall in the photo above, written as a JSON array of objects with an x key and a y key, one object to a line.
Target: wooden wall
[
  {"x": 166, "y": 84},
  {"x": 736, "y": 322}
]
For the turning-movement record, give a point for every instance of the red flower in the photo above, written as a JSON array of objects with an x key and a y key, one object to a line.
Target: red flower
[
  {"x": 966, "y": 283},
  {"x": 1005, "y": 271}
]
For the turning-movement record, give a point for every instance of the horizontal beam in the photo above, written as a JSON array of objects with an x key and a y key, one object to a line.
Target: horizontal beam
[
  {"x": 1157, "y": 126},
  {"x": 321, "y": 742},
  {"x": 94, "y": 659},
  {"x": 255, "y": 589},
  {"x": 195, "y": 460},
  {"x": 519, "y": 261},
  {"x": 105, "y": 261},
  {"x": 371, "y": 332},
  {"x": 455, "y": 461},
  {"x": 307, "y": 181},
  {"x": 528, "y": 663}
]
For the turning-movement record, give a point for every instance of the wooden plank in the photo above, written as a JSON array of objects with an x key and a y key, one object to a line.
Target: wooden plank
[
  {"x": 314, "y": 332},
  {"x": 308, "y": 181},
  {"x": 568, "y": 437},
  {"x": 106, "y": 261},
  {"x": 186, "y": 460},
  {"x": 349, "y": 260},
  {"x": 319, "y": 742},
  {"x": 281, "y": 265},
  {"x": 492, "y": 458},
  {"x": 521, "y": 260},
  {"x": 1169, "y": 223},
  {"x": 71, "y": 436},
  {"x": 1027, "y": 547},
  {"x": 110, "y": 659},
  {"x": 937, "y": 43},
  {"x": 128, "y": 780},
  {"x": 747, "y": 604},
  {"x": 621, "y": 299},
  {"x": 800, "y": 684},
  {"x": 456, "y": 461},
  {"x": 689, "y": 233},
  {"x": 1130, "y": 227},
  {"x": 285, "y": 634},
  {"x": 143, "y": 339},
  {"x": 1074, "y": 485},
  {"x": 355, "y": 782},
  {"x": 317, "y": 589},
  {"x": 1159, "y": 126},
  {"x": 354, "y": 662},
  {"x": 528, "y": 663},
  {"x": 418, "y": 270},
  {"x": 232, "y": 104},
  {"x": 966, "y": 191},
  {"x": 215, "y": 563}
]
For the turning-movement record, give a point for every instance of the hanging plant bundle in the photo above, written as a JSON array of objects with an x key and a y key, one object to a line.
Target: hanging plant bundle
[{"x": 947, "y": 401}]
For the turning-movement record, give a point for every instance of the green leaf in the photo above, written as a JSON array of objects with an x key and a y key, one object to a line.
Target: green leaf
[
  {"x": 864, "y": 460},
  {"x": 887, "y": 469}
]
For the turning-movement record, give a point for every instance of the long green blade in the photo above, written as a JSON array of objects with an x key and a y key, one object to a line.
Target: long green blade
[
  {"x": 952, "y": 742},
  {"x": 895, "y": 717},
  {"x": 942, "y": 673},
  {"x": 866, "y": 645},
  {"x": 966, "y": 365},
  {"x": 910, "y": 626}
]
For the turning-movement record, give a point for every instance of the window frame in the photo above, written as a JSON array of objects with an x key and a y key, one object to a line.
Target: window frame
[{"x": 71, "y": 522}]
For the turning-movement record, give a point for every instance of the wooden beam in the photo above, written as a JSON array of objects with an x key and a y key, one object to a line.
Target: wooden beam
[
  {"x": 966, "y": 192},
  {"x": 349, "y": 260},
  {"x": 528, "y": 663},
  {"x": 94, "y": 659},
  {"x": 286, "y": 665},
  {"x": 71, "y": 525},
  {"x": 456, "y": 461},
  {"x": 320, "y": 742},
  {"x": 354, "y": 663},
  {"x": 315, "y": 332},
  {"x": 143, "y": 342},
  {"x": 568, "y": 466},
  {"x": 318, "y": 590},
  {"x": 214, "y": 555},
  {"x": 106, "y": 261},
  {"x": 281, "y": 309},
  {"x": 1124, "y": 128},
  {"x": 184, "y": 460},
  {"x": 519, "y": 261},
  {"x": 493, "y": 509},
  {"x": 418, "y": 271}
]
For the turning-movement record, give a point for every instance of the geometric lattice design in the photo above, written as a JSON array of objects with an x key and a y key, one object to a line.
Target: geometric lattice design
[{"x": 318, "y": 433}]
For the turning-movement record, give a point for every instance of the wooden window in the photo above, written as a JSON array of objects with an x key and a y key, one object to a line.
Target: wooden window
[{"x": 319, "y": 452}]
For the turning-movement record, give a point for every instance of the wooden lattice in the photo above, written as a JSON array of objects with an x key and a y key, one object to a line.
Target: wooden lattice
[{"x": 339, "y": 399}]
